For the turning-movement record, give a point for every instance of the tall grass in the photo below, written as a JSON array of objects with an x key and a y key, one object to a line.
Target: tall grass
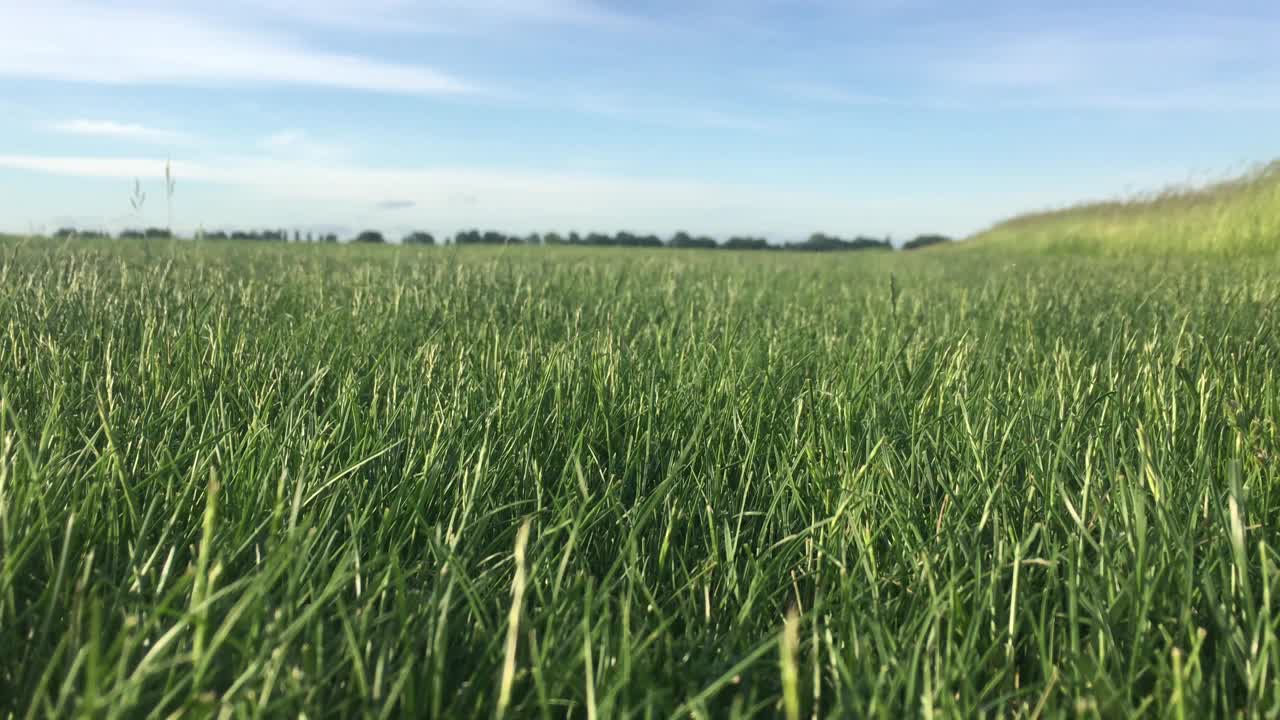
[
  {"x": 1235, "y": 217},
  {"x": 547, "y": 483}
]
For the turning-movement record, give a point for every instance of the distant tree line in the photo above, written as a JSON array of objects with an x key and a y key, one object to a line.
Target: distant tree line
[
  {"x": 64, "y": 233},
  {"x": 820, "y": 242},
  {"x": 924, "y": 241},
  {"x": 817, "y": 242}
]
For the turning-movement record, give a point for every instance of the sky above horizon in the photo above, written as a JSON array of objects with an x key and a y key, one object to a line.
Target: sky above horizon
[{"x": 720, "y": 117}]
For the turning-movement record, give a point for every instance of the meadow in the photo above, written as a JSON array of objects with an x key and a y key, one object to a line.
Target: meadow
[{"x": 246, "y": 480}]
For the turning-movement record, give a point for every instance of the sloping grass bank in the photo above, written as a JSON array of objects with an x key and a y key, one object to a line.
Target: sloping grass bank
[{"x": 1237, "y": 217}]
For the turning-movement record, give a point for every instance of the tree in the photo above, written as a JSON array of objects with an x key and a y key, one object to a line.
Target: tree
[
  {"x": 924, "y": 241},
  {"x": 489, "y": 237},
  {"x": 868, "y": 243},
  {"x": 372, "y": 237},
  {"x": 67, "y": 233},
  {"x": 626, "y": 239},
  {"x": 746, "y": 243},
  {"x": 821, "y": 242},
  {"x": 683, "y": 239},
  {"x": 419, "y": 238}
]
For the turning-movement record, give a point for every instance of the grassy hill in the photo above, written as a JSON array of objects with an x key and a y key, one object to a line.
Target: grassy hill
[{"x": 1238, "y": 217}]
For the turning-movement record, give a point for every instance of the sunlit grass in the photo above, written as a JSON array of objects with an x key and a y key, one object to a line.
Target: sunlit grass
[
  {"x": 293, "y": 479},
  {"x": 1237, "y": 217}
]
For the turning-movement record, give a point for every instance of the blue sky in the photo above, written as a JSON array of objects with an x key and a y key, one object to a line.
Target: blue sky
[{"x": 775, "y": 117}]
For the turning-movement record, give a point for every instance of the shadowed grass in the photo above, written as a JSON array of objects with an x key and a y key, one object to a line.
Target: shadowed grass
[{"x": 277, "y": 480}]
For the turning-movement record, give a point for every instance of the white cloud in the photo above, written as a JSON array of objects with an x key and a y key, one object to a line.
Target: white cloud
[
  {"x": 516, "y": 200},
  {"x": 1059, "y": 58},
  {"x": 119, "y": 131},
  {"x": 399, "y": 16},
  {"x": 263, "y": 192},
  {"x": 284, "y": 140},
  {"x": 662, "y": 114},
  {"x": 295, "y": 145},
  {"x": 90, "y": 43},
  {"x": 1173, "y": 63},
  {"x": 102, "y": 167}
]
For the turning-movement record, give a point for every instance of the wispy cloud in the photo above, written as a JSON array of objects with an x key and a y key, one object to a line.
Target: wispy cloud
[
  {"x": 284, "y": 140},
  {"x": 443, "y": 16},
  {"x": 298, "y": 145},
  {"x": 1262, "y": 97},
  {"x": 1178, "y": 63},
  {"x": 99, "y": 167},
  {"x": 119, "y": 131},
  {"x": 449, "y": 198},
  {"x": 65, "y": 41},
  {"x": 462, "y": 196},
  {"x": 1061, "y": 58},
  {"x": 664, "y": 113},
  {"x": 396, "y": 204}
]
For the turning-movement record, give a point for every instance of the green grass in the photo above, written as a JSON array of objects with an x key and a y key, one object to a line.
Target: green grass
[
  {"x": 1236, "y": 217},
  {"x": 267, "y": 481}
]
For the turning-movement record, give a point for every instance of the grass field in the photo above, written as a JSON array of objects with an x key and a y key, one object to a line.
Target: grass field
[{"x": 345, "y": 482}]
